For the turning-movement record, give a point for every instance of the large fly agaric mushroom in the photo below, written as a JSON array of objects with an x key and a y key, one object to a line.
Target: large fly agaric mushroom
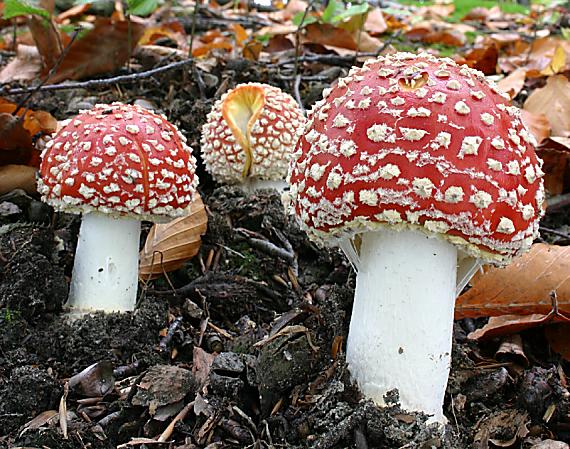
[
  {"x": 250, "y": 135},
  {"x": 425, "y": 161},
  {"x": 117, "y": 165}
]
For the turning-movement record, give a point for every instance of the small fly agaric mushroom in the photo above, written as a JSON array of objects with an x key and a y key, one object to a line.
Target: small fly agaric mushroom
[
  {"x": 117, "y": 165},
  {"x": 250, "y": 135},
  {"x": 422, "y": 159}
]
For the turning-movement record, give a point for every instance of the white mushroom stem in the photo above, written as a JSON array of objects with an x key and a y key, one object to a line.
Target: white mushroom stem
[
  {"x": 105, "y": 272},
  {"x": 252, "y": 183},
  {"x": 402, "y": 319}
]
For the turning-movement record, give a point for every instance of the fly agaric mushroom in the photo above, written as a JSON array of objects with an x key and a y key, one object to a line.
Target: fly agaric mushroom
[
  {"x": 250, "y": 135},
  {"x": 423, "y": 159},
  {"x": 117, "y": 165}
]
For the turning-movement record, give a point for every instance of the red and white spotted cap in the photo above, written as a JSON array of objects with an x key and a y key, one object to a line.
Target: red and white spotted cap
[
  {"x": 251, "y": 131},
  {"x": 119, "y": 159},
  {"x": 418, "y": 142}
]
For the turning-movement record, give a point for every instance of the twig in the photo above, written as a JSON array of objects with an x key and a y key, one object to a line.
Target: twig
[
  {"x": 60, "y": 59},
  {"x": 554, "y": 232},
  {"x": 99, "y": 82},
  {"x": 297, "y": 93},
  {"x": 193, "y": 30},
  {"x": 164, "y": 436},
  {"x": 298, "y": 34}
]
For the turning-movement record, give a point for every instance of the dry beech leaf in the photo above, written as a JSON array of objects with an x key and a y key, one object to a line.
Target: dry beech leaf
[
  {"x": 483, "y": 59},
  {"x": 26, "y": 66},
  {"x": 335, "y": 37},
  {"x": 537, "y": 124},
  {"x": 438, "y": 33},
  {"x": 513, "y": 83},
  {"x": 47, "y": 40},
  {"x": 105, "y": 49},
  {"x": 17, "y": 177},
  {"x": 557, "y": 62},
  {"x": 553, "y": 100},
  {"x": 375, "y": 23},
  {"x": 523, "y": 287},
  {"x": 169, "y": 245}
]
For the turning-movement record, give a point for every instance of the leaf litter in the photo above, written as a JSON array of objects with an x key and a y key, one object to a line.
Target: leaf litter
[{"x": 231, "y": 346}]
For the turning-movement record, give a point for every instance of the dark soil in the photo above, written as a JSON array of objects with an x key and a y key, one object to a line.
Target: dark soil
[{"x": 196, "y": 337}]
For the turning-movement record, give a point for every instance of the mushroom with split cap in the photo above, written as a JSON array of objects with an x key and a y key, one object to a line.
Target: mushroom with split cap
[
  {"x": 116, "y": 164},
  {"x": 250, "y": 135},
  {"x": 426, "y": 164}
]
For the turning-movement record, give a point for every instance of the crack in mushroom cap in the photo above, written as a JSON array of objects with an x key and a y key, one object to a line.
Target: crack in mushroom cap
[
  {"x": 121, "y": 160},
  {"x": 418, "y": 142},
  {"x": 251, "y": 131}
]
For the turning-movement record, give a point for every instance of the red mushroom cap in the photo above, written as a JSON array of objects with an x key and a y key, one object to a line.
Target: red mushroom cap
[
  {"x": 119, "y": 159},
  {"x": 414, "y": 141},
  {"x": 251, "y": 131}
]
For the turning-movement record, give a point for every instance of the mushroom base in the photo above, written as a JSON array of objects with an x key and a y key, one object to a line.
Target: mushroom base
[
  {"x": 105, "y": 271},
  {"x": 252, "y": 183},
  {"x": 402, "y": 319}
]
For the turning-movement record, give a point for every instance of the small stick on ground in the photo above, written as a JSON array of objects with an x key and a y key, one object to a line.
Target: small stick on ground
[{"x": 164, "y": 436}]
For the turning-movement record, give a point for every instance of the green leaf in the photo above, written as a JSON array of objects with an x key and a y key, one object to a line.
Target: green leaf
[
  {"x": 333, "y": 8},
  {"x": 14, "y": 8},
  {"x": 354, "y": 10},
  {"x": 141, "y": 7},
  {"x": 565, "y": 33},
  {"x": 298, "y": 19}
]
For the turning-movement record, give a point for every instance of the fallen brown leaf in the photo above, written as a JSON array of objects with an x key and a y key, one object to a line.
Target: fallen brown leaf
[
  {"x": 169, "y": 245},
  {"x": 334, "y": 37},
  {"x": 13, "y": 135},
  {"x": 375, "y": 23},
  {"x": 537, "y": 124},
  {"x": 26, "y": 66},
  {"x": 513, "y": 83},
  {"x": 558, "y": 336},
  {"x": 483, "y": 59},
  {"x": 437, "y": 33},
  {"x": 104, "y": 49},
  {"x": 553, "y": 100},
  {"x": 17, "y": 177},
  {"x": 523, "y": 287},
  {"x": 47, "y": 40}
]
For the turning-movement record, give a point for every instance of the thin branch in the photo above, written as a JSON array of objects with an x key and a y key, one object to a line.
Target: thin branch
[
  {"x": 298, "y": 34},
  {"x": 193, "y": 31},
  {"x": 52, "y": 71},
  {"x": 100, "y": 82}
]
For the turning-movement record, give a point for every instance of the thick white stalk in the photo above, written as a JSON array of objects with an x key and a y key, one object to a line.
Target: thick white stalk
[
  {"x": 105, "y": 272},
  {"x": 251, "y": 184},
  {"x": 402, "y": 319}
]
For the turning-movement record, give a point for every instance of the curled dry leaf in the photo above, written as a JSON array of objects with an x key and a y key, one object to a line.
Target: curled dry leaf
[
  {"x": 513, "y": 83},
  {"x": 553, "y": 100},
  {"x": 537, "y": 124},
  {"x": 438, "y": 33},
  {"x": 523, "y": 287},
  {"x": 483, "y": 59},
  {"x": 169, "y": 245},
  {"x": 26, "y": 66},
  {"x": 17, "y": 177},
  {"x": 105, "y": 49}
]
